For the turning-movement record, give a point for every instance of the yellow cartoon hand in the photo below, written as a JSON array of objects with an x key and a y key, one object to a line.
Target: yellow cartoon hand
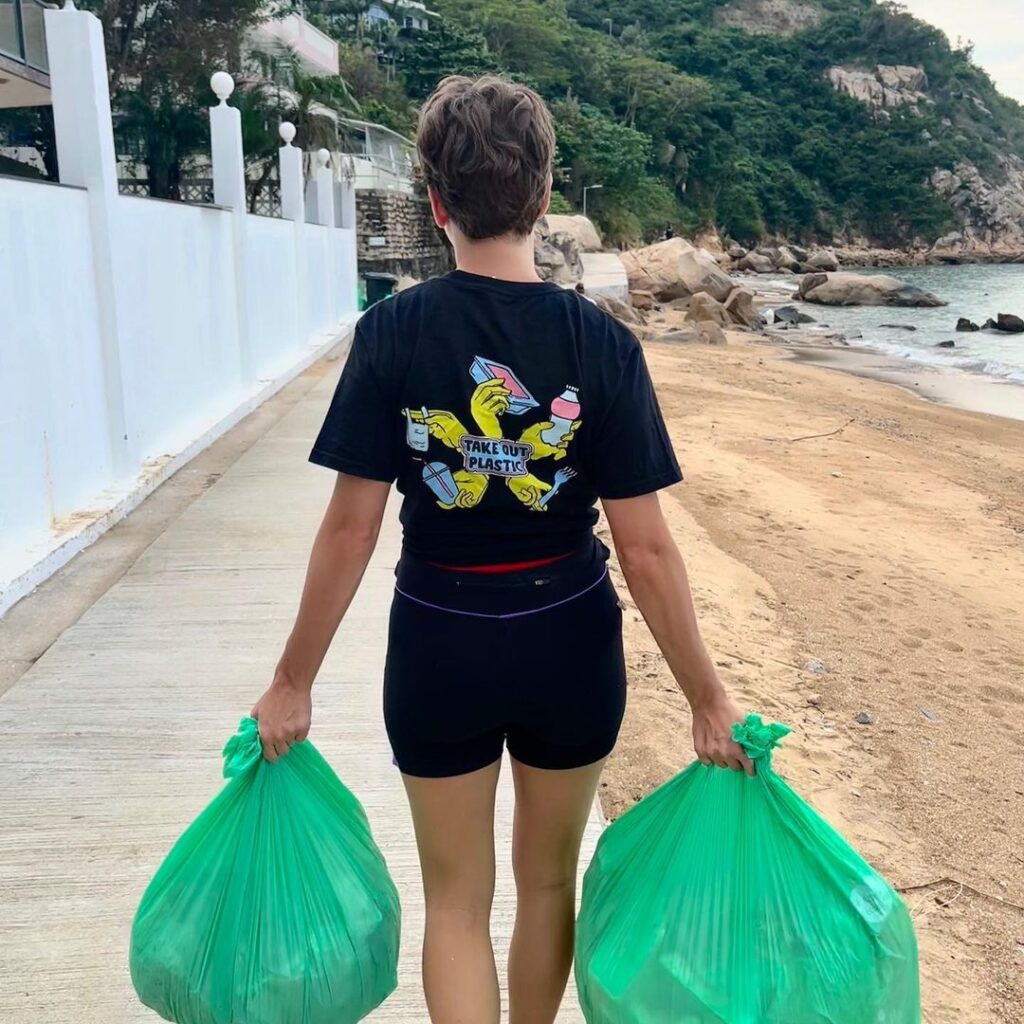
[
  {"x": 543, "y": 450},
  {"x": 490, "y": 400},
  {"x": 442, "y": 425},
  {"x": 471, "y": 490},
  {"x": 529, "y": 490}
]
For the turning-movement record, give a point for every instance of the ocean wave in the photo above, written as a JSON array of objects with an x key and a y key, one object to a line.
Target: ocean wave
[{"x": 943, "y": 358}]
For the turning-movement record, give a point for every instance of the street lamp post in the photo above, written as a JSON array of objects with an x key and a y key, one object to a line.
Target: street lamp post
[
  {"x": 608, "y": 22},
  {"x": 586, "y": 189}
]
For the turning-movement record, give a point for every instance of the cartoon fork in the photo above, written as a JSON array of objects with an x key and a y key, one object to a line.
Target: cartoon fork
[{"x": 561, "y": 477}]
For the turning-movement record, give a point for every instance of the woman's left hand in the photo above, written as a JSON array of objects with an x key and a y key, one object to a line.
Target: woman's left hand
[{"x": 712, "y": 735}]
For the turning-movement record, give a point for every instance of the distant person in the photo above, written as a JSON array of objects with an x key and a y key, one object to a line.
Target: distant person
[
  {"x": 505, "y": 407},
  {"x": 669, "y": 232}
]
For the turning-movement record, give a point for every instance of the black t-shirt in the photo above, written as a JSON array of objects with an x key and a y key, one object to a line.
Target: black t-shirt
[{"x": 504, "y": 410}]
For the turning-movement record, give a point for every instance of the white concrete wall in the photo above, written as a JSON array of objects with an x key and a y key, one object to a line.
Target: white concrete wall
[
  {"x": 179, "y": 314},
  {"x": 187, "y": 371},
  {"x": 54, "y": 452},
  {"x": 135, "y": 331},
  {"x": 272, "y": 293}
]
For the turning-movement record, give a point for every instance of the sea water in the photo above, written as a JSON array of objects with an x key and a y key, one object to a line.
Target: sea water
[{"x": 974, "y": 291}]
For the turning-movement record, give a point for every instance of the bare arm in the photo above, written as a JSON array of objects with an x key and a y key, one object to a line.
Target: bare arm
[
  {"x": 341, "y": 551},
  {"x": 657, "y": 579}
]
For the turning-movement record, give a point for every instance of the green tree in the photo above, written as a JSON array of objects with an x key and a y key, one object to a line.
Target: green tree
[
  {"x": 160, "y": 56},
  {"x": 424, "y": 58}
]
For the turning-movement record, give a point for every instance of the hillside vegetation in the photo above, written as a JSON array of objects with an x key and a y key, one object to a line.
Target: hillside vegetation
[{"x": 703, "y": 113}]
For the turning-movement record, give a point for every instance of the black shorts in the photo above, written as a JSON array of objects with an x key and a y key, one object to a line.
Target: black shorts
[{"x": 532, "y": 658}]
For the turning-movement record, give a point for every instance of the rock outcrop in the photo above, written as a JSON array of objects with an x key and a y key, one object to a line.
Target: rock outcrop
[
  {"x": 791, "y": 315},
  {"x": 581, "y": 228},
  {"x": 990, "y": 212},
  {"x": 845, "y": 289},
  {"x": 756, "y": 263},
  {"x": 741, "y": 309},
  {"x": 624, "y": 312},
  {"x": 823, "y": 260},
  {"x": 883, "y": 89},
  {"x": 703, "y": 309},
  {"x": 674, "y": 269},
  {"x": 781, "y": 256},
  {"x": 770, "y": 17},
  {"x": 1010, "y": 323},
  {"x": 556, "y": 254}
]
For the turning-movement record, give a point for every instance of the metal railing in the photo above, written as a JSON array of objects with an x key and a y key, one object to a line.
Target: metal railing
[{"x": 22, "y": 35}]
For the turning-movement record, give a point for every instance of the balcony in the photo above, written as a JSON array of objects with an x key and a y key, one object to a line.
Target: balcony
[
  {"x": 24, "y": 78},
  {"x": 317, "y": 52}
]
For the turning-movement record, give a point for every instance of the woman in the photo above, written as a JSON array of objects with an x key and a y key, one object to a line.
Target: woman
[{"x": 505, "y": 408}]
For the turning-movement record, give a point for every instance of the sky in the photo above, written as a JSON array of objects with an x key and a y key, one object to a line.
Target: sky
[{"x": 998, "y": 46}]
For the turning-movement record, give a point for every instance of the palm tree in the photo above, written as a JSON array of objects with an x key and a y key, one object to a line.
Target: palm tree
[{"x": 281, "y": 90}]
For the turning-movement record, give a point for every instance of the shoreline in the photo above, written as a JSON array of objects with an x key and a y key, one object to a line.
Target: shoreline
[{"x": 944, "y": 385}]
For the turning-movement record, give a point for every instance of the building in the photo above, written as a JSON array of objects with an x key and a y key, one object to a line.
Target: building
[
  {"x": 317, "y": 52},
  {"x": 24, "y": 68},
  {"x": 381, "y": 158},
  {"x": 407, "y": 14}
]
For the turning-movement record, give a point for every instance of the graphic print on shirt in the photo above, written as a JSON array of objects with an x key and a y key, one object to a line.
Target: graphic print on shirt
[{"x": 499, "y": 392}]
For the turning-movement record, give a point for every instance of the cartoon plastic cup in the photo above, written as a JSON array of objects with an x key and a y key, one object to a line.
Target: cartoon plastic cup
[
  {"x": 417, "y": 435},
  {"x": 438, "y": 477}
]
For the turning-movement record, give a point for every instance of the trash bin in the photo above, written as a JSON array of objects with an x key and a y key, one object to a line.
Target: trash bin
[{"x": 378, "y": 286}]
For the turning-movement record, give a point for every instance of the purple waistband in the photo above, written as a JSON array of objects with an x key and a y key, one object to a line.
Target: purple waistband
[{"x": 508, "y": 615}]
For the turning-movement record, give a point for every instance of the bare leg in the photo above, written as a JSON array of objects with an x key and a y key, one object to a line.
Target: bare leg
[
  {"x": 552, "y": 808},
  {"x": 454, "y": 820}
]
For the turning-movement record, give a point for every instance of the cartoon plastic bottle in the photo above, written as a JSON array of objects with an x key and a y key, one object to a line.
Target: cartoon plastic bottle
[{"x": 565, "y": 410}]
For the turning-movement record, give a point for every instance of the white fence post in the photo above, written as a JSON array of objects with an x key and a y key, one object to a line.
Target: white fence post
[
  {"x": 324, "y": 190},
  {"x": 325, "y": 216},
  {"x": 226, "y": 146},
  {"x": 85, "y": 153},
  {"x": 229, "y": 190},
  {"x": 290, "y": 167},
  {"x": 348, "y": 256}
]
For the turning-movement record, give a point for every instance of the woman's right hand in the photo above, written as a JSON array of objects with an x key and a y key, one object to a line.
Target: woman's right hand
[
  {"x": 284, "y": 713},
  {"x": 712, "y": 735}
]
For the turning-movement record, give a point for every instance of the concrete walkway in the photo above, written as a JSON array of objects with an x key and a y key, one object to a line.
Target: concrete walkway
[{"x": 110, "y": 742}]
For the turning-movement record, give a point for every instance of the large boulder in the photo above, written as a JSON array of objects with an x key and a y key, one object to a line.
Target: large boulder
[
  {"x": 641, "y": 300},
  {"x": 845, "y": 289},
  {"x": 581, "y": 228},
  {"x": 782, "y": 257},
  {"x": 963, "y": 324},
  {"x": 741, "y": 309},
  {"x": 556, "y": 254},
  {"x": 823, "y": 260},
  {"x": 791, "y": 315},
  {"x": 704, "y": 308},
  {"x": 622, "y": 311},
  {"x": 711, "y": 333},
  {"x": 1009, "y": 322},
  {"x": 674, "y": 269},
  {"x": 756, "y": 263},
  {"x": 736, "y": 251}
]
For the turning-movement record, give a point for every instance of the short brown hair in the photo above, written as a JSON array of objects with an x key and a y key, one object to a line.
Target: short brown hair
[{"x": 485, "y": 147}]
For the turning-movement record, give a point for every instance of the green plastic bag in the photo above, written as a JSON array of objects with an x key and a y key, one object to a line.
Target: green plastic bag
[
  {"x": 724, "y": 899},
  {"x": 274, "y": 907}
]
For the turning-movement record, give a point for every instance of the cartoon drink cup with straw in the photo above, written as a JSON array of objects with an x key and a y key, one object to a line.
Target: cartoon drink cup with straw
[{"x": 565, "y": 410}]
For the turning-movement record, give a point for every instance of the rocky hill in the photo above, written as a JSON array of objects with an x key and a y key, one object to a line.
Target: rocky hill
[{"x": 843, "y": 122}]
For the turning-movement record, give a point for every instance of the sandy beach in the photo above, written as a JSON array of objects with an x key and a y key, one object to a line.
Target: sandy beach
[{"x": 878, "y": 569}]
